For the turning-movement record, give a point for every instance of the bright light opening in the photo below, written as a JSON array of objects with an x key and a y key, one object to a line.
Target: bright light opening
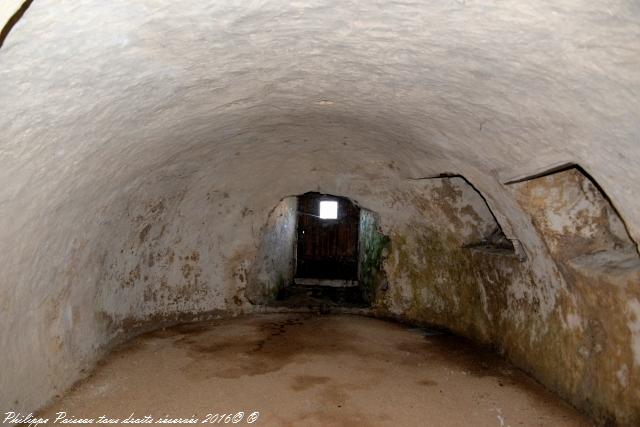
[{"x": 328, "y": 209}]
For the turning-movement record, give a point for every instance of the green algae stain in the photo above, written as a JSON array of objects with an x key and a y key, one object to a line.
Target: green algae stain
[
  {"x": 373, "y": 248},
  {"x": 435, "y": 280}
]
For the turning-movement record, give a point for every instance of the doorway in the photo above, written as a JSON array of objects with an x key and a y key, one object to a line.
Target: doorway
[{"x": 327, "y": 240}]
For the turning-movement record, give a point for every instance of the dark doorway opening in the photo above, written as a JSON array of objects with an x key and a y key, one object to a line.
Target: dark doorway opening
[
  {"x": 327, "y": 240},
  {"x": 327, "y": 257}
]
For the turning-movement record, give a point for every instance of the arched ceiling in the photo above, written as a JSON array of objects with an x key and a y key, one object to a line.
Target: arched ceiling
[
  {"x": 96, "y": 94},
  {"x": 121, "y": 115}
]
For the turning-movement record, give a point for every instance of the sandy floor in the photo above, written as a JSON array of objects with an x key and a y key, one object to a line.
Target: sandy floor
[{"x": 307, "y": 370}]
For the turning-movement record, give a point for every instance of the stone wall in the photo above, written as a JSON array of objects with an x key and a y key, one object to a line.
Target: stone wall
[
  {"x": 373, "y": 248},
  {"x": 585, "y": 347},
  {"x": 274, "y": 265},
  {"x": 596, "y": 330}
]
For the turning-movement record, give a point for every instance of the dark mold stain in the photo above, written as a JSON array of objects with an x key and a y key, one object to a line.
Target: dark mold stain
[{"x": 144, "y": 233}]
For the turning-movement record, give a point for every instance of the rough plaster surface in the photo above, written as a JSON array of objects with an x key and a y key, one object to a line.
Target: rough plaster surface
[
  {"x": 144, "y": 144},
  {"x": 599, "y": 308},
  {"x": 274, "y": 265},
  {"x": 372, "y": 250},
  {"x": 577, "y": 335}
]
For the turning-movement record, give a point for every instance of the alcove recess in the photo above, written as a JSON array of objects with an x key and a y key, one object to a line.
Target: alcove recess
[
  {"x": 581, "y": 228},
  {"x": 493, "y": 241}
]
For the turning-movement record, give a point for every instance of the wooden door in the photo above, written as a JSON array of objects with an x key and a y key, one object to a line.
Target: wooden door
[{"x": 327, "y": 248}]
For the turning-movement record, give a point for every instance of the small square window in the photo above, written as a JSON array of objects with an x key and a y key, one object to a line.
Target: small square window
[{"x": 328, "y": 209}]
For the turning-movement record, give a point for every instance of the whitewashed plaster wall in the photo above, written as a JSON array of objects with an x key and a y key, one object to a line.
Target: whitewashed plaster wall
[{"x": 130, "y": 129}]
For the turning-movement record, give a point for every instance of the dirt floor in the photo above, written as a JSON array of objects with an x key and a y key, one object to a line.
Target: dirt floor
[{"x": 311, "y": 370}]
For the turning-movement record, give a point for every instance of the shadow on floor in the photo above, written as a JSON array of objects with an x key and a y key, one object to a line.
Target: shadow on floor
[{"x": 320, "y": 298}]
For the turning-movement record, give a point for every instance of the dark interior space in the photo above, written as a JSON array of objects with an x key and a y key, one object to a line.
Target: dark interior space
[
  {"x": 327, "y": 237},
  {"x": 327, "y": 247}
]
